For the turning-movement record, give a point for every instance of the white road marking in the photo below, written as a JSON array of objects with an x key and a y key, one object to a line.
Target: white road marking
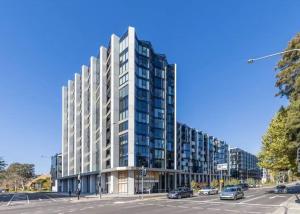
[
  {"x": 213, "y": 209},
  {"x": 27, "y": 199},
  {"x": 11, "y": 200},
  {"x": 254, "y": 212},
  {"x": 277, "y": 196},
  {"x": 200, "y": 208},
  {"x": 252, "y": 199},
  {"x": 234, "y": 211},
  {"x": 182, "y": 207}
]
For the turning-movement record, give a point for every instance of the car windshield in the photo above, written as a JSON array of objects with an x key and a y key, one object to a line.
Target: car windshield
[
  {"x": 280, "y": 187},
  {"x": 230, "y": 189}
]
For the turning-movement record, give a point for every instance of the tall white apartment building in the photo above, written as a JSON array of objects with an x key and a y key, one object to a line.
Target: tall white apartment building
[{"x": 119, "y": 115}]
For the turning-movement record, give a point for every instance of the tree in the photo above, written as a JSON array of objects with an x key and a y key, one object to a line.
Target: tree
[
  {"x": 232, "y": 181},
  {"x": 2, "y": 164},
  {"x": 289, "y": 70},
  {"x": 214, "y": 183},
  {"x": 18, "y": 174},
  {"x": 277, "y": 153}
]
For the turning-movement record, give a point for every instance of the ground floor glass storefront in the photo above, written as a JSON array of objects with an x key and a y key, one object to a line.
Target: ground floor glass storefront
[{"x": 130, "y": 181}]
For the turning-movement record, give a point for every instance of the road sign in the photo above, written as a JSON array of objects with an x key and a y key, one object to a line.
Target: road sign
[{"x": 222, "y": 166}]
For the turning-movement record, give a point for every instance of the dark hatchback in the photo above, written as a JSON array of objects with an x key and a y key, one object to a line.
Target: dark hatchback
[
  {"x": 181, "y": 192},
  {"x": 281, "y": 189},
  {"x": 244, "y": 186}
]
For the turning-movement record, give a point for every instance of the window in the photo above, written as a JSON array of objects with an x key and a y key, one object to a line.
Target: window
[
  {"x": 159, "y": 123},
  {"x": 123, "y": 115},
  {"x": 123, "y": 92},
  {"x": 142, "y": 61},
  {"x": 123, "y": 79},
  {"x": 123, "y": 44},
  {"x": 123, "y": 149},
  {"x": 159, "y": 73},
  {"x": 144, "y": 84},
  {"x": 123, "y": 178},
  {"x": 142, "y": 140},
  {"x": 159, "y": 144},
  {"x": 158, "y": 103},
  {"x": 158, "y": 83},
  {"x": 159, "y": 93},
  {"x": 159, "y": 113},
  {"x": 158, "y": 133},
  {"x": 159, "y": 154},
  {"x": 142, "y": 151},
  {"x": 142, "y": 128},
  {"x": 142, "y": 106},
  {"x": 142, "y": 94},
  {"x": 124, "y": 57},
  {"x": 123, "y": 105},
  {"x": 123, "y": 139},
  {"x": 123, "y": 68},
  {"x": 142, "y": 117},
  {"x": 143, "y": 50},
  {"x": 142, "y": 72},
  {"x": 123, "y": 126}
]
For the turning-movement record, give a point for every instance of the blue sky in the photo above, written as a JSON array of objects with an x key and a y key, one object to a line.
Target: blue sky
[{"x": 43, "y": 43}]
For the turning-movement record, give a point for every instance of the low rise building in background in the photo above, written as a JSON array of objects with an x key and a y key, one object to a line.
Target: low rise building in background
[
  {"x": 55, "y": 172},
  {"x": 244, "y": 165},
  {"x": 198, "y": 155}
]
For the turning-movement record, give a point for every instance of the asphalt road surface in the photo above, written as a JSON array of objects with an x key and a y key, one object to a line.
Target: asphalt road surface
[{"x": 256, "y": 201}]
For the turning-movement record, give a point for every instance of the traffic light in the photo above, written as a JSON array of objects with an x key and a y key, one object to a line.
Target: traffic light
[{"x": 143, "y": 172}]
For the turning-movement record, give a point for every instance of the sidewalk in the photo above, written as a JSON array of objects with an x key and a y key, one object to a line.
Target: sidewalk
[
  {"x": 291, "y": 206},
  {"x": 112, "y": 196}
]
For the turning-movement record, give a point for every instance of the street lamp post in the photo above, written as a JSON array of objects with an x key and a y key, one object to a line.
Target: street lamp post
[{"x": 271, "y": 55}]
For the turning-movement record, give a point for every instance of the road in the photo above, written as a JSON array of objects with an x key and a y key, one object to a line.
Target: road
[{"x": 256, "y": 201}]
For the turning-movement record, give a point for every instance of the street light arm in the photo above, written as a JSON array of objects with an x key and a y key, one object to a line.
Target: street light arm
[{"x": 270, "y": 55}]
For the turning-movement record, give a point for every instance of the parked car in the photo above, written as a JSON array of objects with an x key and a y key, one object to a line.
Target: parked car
[
  {"x": 252, "y": 185},
  {"x": 208, "y": 191},
  {"x": 281, "y": 189},
  {"x": 181, "y": 192},
  {"x": 232, "y": 193},
  {"x": 244, "y": 186}
]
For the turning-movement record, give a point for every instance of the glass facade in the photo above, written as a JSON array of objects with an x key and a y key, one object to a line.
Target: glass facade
[
  {"x": 123, "y": 102},
  {"x": 154, "y": 108},
  {"x": 200, "y": 153},
  {"x": 243, "y": 165}
]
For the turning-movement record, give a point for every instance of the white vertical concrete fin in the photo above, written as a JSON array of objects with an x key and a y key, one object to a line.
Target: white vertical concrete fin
[
  {"x": 85, "y": 119},
  {"x": 131, "y": 95},
  {"x": 77, "y": 124},
  {"x": 102, "y": 67},
  {"x": 115, "y": 56},
  {"x": 93, "y": 88},
  {"x": 64, "y": 131}
]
